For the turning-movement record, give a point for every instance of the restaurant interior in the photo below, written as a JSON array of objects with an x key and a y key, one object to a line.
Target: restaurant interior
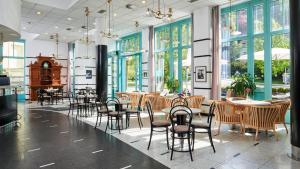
[{"x": 121, "y": 84}]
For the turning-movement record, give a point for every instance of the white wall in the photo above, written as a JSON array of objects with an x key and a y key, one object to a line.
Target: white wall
[
  {"x": 34, "y": 47},
  {"x": 202, "y": 50},
  {"x": 82, "y": 64},
  {"x": 145, "y": 60}
]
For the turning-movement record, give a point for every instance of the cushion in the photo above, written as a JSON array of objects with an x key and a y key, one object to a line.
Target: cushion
[
  {"x": 180, "y": 129},
  {"x": 161, "y": 123}
]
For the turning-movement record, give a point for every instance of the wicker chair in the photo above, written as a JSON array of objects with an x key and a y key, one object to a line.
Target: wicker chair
[
  {"x": 285, "y": 105},
  {"x": 179, "y": 101},
  {"x": 195, "y": 102},
  {"x": 262, "y": 118},
  {"x": 225, "y": 113}
]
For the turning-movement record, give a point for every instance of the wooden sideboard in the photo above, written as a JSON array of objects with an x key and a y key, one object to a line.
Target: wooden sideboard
[{"x": 44, "y": 73}]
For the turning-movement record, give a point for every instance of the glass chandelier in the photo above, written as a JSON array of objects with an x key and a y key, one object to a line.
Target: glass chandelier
[
  {"x": 158, "y": 13},
  {"x": 109, "y": 34}
]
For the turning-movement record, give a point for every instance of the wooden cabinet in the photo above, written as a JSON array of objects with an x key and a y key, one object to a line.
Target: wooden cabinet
[{"x": 44, "y": 73}]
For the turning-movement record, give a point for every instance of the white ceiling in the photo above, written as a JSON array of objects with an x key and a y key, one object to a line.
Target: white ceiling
[{"x": 53, "y": 18}]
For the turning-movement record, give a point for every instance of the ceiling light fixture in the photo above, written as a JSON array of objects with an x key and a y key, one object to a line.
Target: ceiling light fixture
[
  {"x": 55, "y": 37},
  {"x": 109, "y": 34},
  {"x": 143, "y": 2},
  {"x": 38, "y": 12},
  {"x": 85, "y": 38},
  {"x": 69, "y": 19},
  {"x": 56, "y": 27},
  {"x": 158, "y": 13},
  {"x": 115, "y": 14}
]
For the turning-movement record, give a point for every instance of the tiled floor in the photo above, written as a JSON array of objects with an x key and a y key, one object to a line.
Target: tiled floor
[
  {"x": 51, "y": 140},
  {"x": 233, "y": 150}
]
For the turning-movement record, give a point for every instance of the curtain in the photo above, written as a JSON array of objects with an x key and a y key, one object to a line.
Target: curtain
[{"x": 215, "y": 53}]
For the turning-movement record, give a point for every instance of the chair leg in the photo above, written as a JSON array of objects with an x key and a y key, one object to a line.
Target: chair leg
[
  {"x": 172, "y": 146},
  {"x": 189, "y": 142},
  {"x": 275, "y": 133},
  {"x": 167, "y": 133},
  {"x": 150, "y": 138},
  {"x": 287, "y": 131},
  {"x": 100, "y": 119},
  {"x": 69, "y": 109},
  {"x": 107, "y": 123},
  {"x": 256, "y": 135},
  {"x": 211, "y": 141},
  {"x": 97, "y": 120},
  {"x": 193, "y": 138},
  {"x": 118, "y": 119},
  {"x": 219, "y": 128},
  {"x": 139, "y": 121}
]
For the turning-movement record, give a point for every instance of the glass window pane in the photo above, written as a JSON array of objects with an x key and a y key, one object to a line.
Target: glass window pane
[
  {"x": 276, "y": 15},
  {"x": 241, "y": 23},
  {"x": 14, "y": 68},
  {"x": 185, "y": 34},
  {"x": 258, "y": 17},
  {"x": 225, "y": 26},
  {"x": 175, "y": 57},
  {"x": 286, "y": 19},
  {"x": 280, "y": 64},
  {"x": 233, "y": 60},
  {"x": 8, "y": 49},
  {"x": 175, "y": 40},
  {"x": 162, "y": 70},
  {"x": 130, "y": 74},
  {"x": 18, "y": 49},
  {"x": 259, "y": 57},
  {"x": 186, "y": 69}
]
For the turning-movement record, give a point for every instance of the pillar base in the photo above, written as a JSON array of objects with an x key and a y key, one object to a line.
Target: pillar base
[{"x": 295, "y": 154}]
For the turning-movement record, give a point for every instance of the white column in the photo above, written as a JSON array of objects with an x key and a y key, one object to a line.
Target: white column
[{"x": 100, "y": 26}]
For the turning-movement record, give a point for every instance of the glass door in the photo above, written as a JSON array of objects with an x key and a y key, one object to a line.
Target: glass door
[
  {"x": 112, "y": 72},
  {"x": 131, "y": 69}
]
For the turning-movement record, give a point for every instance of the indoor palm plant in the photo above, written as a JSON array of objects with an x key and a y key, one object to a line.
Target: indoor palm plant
[
  {"x": 242, "y": 85},
  {"x": 172, "y": 85}
]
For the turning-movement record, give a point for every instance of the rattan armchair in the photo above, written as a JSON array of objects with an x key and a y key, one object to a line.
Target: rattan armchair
[
  {"x": 285, "y": 105},
  {"x": 225, "y": 113},
  {"x": 262, "y": 118},
  {"x": 195, "y": 102}
]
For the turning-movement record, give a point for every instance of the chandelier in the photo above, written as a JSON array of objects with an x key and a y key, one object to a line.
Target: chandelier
[
  {"x": 109, "y": 34},
  {"x": 55, "y": 37},
  {"x": 158, "y": 13},
  {"x": 85, "y": 40}
]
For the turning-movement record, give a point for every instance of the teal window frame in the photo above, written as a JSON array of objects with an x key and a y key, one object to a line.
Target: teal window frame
[
  {"x": 21, "y": 97},
  {"x": 171, "y": 49},
  {"x": 266, "y": 92},
  {"x": 122, "y": 62}
]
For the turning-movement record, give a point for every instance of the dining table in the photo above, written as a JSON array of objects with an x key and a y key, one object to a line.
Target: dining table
[{"x": 242, "y": 106}]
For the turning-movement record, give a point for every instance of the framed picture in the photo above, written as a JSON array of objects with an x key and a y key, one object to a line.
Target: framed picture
[
  {"x": 200, "y": 74},
  {"x": 88, "y": 74},
  {"x": 145, "y": 74}
]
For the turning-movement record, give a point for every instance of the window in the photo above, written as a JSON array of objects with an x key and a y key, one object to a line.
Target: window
[
  {"x": 130, "y": 63},
  {"x": 12, "y": 64},
  {"x": 173, "y": 55},
  {"x": 257, "y": 42}
]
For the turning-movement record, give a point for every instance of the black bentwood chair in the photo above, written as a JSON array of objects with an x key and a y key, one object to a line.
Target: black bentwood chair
[
  {"x": 205, "y": 126},
  {"x": 116, "y": 115},
  {"x": 179, "y": 101},
  {"x": 72, "y": 103},
  {"x": 136, "y": 112},
  {"x": 181, "y": 118},
  {"x": 157, "y": 124},
  {"x": 101, "y": 110}
]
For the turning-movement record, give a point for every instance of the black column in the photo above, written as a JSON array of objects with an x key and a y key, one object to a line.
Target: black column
[
  {"x": 295, "y": 77},
  {"x": 101, "y": 71}
]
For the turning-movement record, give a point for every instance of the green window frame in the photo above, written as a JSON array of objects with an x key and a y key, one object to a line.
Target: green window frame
[
  {"x": 174, "y": 33},
  {"x": 130, "y": 46},
  {"x": 250, "y": 36},
  {"x": 13, "y": 55}
]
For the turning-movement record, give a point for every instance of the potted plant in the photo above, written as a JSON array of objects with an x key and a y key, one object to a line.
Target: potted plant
[
  {"x": 242, "y": 85},
  {"x": 172, "y": 85}
]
